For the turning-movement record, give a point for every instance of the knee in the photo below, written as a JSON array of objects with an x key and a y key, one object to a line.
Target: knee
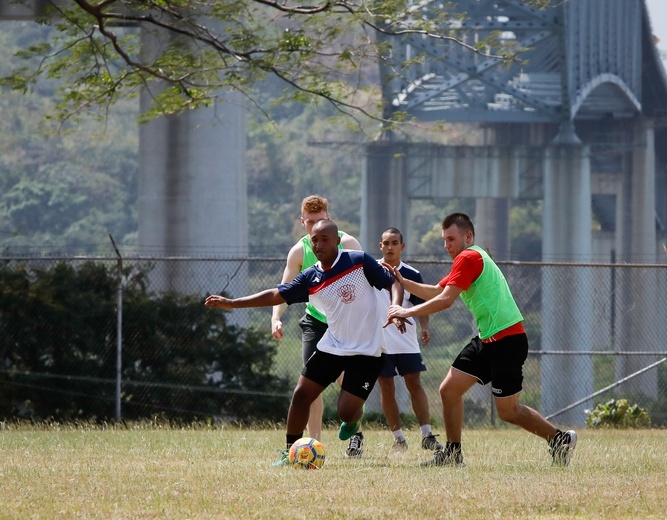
[
  {"x": 300, "y": 397},
  {"x": 509, "y": 414},
  {"x": 386, "y": 385},
  {"x": 413, "y": 384},
  {"x": 347, "y": 414},
  {"x": 447, "y": 392}
]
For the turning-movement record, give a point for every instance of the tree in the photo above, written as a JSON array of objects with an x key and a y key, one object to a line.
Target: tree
[
  {"x": 58, "y": 351},
  {"x": 323, "y": 50}
]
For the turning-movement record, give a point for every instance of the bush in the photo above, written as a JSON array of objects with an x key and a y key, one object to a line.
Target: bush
[
  {"x": 58, "y": 352},
  {"x": 617, "y": 413}
]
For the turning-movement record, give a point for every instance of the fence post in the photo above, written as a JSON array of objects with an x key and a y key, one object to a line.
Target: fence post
[{"x": 119, "y": 330}]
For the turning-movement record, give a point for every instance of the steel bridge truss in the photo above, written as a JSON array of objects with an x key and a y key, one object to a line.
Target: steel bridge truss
[{"x": 578, "y": 59}]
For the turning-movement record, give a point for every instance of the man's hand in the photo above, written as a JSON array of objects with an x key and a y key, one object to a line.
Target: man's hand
[
  {"x": 393, "y": 270},
  {"x": 426, "y": 336},
  {"x": 277, "y": 329},
  {"x": 395, "y": 316},
  {"x": 396, "y": 311},
  {"x": 218, "y": 302}
]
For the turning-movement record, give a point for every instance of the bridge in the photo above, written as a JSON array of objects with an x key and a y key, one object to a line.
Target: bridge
[{"x": 579, "y": 123}]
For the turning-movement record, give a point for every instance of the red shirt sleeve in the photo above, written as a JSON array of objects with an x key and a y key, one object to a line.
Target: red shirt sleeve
[{"x": 466, "y": 269}]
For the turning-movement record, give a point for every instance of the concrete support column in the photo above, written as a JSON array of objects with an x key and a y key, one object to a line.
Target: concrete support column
[
  {"x": 567, "y": 309},
  {"x": 384, "y": 201},
  {"x": 639, "y": 295},
  {"x": 193, "y": 191},
  {"x": 492, "y": 226}
]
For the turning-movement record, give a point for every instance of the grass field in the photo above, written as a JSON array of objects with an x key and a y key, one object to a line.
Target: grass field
[{"x": 152, "y": 472}]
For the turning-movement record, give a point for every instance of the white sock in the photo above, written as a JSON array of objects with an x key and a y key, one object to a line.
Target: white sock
[
  {"x": 398, "y": 434},
  {"x": 426, "y": 430}
]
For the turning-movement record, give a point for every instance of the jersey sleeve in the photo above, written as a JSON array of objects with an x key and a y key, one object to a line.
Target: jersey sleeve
[
  {"x": 466, "y": 269},
  {"x": 376, "y": 275},
  {"x": 295, "y": 291}
]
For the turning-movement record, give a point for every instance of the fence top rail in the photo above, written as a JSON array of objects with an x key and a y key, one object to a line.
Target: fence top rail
[{"x": 53, "y": 258}]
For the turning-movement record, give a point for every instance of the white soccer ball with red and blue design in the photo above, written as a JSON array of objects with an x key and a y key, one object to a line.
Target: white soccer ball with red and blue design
[{"x": 307, "y": 453}]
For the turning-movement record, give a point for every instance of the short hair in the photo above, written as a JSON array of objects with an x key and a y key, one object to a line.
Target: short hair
[
  {"x": 314, "y": 204},
  {"x": 393, "y": 231},
  {"x": 460, "y": 220}
]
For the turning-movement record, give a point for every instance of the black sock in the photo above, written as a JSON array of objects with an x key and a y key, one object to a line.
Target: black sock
[
  {"x": 291, "y": 439},
  {"x": 451, "y": 447}
]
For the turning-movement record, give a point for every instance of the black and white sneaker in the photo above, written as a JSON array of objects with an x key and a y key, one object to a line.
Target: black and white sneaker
[
  {"x": 446, "y": 457},
  {"x": 356, "y": 446},
  {"x": 429, "y": 442},
  {"x": 562, "y": 446}
]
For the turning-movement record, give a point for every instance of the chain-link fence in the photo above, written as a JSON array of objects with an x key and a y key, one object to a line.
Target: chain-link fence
[{"x": 596, "y": 332}]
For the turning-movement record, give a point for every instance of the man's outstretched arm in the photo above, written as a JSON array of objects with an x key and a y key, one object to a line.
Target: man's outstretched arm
[{"x": 261, "y": 299}]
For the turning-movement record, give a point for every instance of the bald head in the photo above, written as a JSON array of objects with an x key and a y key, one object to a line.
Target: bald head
[
  {"x": 325, "y": 240},
  {"x": 327, "y": 227}
]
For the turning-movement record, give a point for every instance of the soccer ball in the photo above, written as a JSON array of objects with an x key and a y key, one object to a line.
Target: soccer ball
[{"x": 306, "y": 453}]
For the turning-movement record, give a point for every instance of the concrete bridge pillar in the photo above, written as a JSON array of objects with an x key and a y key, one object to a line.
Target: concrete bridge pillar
[
  {"x": 193, "y": 192},
  {"x": 640, "y": 292},
  {"x": 567, "y": 310},
  {"x": 385, "y": 202},
  {"x": 492, "y": 226}
]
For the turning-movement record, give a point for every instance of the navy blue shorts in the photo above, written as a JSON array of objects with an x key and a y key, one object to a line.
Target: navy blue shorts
[
  {"x": 402, "y": 364},
  {"x": 361, "y": 372},
  {"x": 499, "y": 363}
]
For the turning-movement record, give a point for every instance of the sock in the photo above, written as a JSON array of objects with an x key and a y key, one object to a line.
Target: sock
[
  {"x": 426, "y": 430},
  {"x": 291, "y": 439},
  {"x": 398, "y": 434},
  {"x": 349, "y": 426},
  {"x": 452, "y": 447}
]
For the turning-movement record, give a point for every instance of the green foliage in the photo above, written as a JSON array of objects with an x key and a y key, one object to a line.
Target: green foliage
[
  {"x": 317, "y": 51},
  {"x": 58, "y": 347},
  {"x": 64, "y": 190},
  {"x": 617, "y": 413},
  {"x": 304, "y": 158}
]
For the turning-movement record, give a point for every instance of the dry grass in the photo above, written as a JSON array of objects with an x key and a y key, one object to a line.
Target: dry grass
[{"x": 226, "y": 473}]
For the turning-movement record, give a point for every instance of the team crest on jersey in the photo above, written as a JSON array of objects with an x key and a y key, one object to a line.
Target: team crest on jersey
[{"x": 346, "y": 293}]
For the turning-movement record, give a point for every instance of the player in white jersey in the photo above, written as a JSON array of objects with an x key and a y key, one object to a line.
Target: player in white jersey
[
  {"x": 343, "y": 285},
  {"x": 403, "y": 353}
]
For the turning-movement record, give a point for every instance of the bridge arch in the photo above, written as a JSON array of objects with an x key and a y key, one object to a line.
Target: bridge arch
[{"x": 605, "y": 94}]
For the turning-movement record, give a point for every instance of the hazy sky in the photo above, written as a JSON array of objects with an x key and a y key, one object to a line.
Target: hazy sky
[{"x": 657, "y": 10}]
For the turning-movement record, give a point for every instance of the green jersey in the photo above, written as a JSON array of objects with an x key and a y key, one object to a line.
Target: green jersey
[{"x": 489, "y": 299}]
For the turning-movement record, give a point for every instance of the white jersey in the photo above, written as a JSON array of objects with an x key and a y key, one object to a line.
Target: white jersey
[
  {"x": 398, "y": 343},
  {"x": 347, "y": 294}
]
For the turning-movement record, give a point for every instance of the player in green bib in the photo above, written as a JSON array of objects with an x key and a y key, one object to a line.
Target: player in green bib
[
  {"x": 496, "y": 356},
  {"x": 313, "y": 323}
]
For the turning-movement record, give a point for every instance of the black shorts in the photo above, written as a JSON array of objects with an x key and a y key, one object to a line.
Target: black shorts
[
  {"x": 361, "y": 372},
  {"x": 402, "y": 364},
  {"x": 312, "y": 331},
  {"x": 499, "y": 362}
]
